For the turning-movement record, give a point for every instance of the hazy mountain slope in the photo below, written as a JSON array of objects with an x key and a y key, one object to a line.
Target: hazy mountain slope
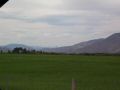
[
  {"x": 73, "y": 48},
  {"x": 84, "y": 44},
  {"x": 108, "y": 45},
  {"x": 12, "y": 46},
  {"x": 4, "y": 49}
]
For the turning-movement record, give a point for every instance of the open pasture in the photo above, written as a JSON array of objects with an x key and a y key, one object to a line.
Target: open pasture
[{"x": 55, "y": 72}]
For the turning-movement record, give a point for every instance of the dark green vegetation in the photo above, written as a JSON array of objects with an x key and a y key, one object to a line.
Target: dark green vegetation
[{"x": 55, "y": 72}]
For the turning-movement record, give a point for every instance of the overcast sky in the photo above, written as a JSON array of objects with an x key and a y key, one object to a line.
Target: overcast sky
[{"x": 50, "y": 23}]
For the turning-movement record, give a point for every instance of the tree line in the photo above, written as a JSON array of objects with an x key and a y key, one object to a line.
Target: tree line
[{"x": 20, "y": 50}]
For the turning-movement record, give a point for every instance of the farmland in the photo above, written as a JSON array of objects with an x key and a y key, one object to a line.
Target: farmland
[{"x": 55, "y": 72}]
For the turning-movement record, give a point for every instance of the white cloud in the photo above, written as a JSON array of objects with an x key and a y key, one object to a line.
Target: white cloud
[{"x": 57, "y": 22}]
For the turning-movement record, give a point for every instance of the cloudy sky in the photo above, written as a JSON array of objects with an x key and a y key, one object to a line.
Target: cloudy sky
[{"x": 52, "y": 23}]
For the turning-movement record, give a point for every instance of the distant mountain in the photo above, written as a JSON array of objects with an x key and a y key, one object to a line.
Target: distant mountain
[
  {"x": 12, "y": 46},
  {"x": 73, "y": 48},
  {"x": 107, "y": 45},
  {"x": 4, "y": 49},
  {"x": 110, "y": 44}
]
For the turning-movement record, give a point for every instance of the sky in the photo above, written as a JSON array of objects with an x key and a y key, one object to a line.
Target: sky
[{"x": 54, "y": 23}]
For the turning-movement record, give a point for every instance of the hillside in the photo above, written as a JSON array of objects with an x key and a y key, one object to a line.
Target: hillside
[{"x": 110, "y": 44}]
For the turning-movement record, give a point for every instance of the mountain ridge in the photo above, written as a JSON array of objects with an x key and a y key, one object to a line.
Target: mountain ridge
[{"x": 110, "y": 44}]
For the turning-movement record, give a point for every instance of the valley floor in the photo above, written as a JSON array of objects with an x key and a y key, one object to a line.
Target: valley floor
[{"x": 55, "y": 72}]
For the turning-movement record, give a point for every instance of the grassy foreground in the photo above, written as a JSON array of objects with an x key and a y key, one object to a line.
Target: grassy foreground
[{"x": 55, "y": 72}]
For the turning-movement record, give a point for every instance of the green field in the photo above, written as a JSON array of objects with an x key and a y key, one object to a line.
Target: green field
[{"x": 55, "y": 72}]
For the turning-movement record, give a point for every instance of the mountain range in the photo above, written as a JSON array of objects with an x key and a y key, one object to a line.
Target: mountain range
[{"x": 110, "y": 45}]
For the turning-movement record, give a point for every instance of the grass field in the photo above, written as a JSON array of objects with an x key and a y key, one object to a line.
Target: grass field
[{"x": 55, "y": 72}]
